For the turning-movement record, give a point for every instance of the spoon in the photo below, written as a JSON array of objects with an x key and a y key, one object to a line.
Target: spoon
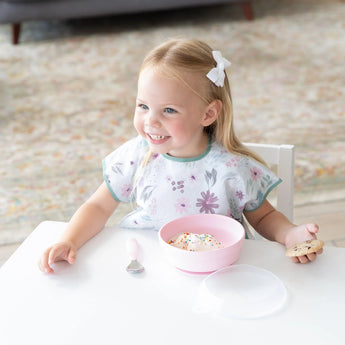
[{"x": 133, "y": 249}]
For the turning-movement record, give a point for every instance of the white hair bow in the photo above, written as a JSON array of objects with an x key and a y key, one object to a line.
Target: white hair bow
[{"x": 217, "y": 75}]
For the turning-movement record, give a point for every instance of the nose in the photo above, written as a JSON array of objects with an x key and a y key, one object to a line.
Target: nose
[{"x": 152, "y": 119}]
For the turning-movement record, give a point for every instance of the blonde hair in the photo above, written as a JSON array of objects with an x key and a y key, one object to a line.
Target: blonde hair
[{"x": 179, "y": 56}]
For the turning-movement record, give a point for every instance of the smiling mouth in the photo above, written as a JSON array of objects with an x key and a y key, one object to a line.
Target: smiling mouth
[{"x": 157, "y": 137}]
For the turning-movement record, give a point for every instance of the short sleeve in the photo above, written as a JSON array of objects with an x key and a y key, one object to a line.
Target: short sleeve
[
  {"x": 120, "y": 166},
  {"x": 259, "y": 182}
]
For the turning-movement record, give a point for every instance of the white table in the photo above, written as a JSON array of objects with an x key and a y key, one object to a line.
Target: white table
[{"x": 95, "y": 301}]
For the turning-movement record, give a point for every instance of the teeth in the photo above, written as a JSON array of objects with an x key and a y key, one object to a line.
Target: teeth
[{"x": 157, "y": 137}]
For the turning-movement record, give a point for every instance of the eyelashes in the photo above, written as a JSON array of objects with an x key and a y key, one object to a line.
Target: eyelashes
[
  {"x": 170, "y": 110},
  {"x": 143, "y": 106},
  {"x": 167, "y": 110}
]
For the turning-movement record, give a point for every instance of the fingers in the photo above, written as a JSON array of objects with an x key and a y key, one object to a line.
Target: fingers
[
  {"x": 304, "y": 259},
  {"x": 43, "y": 263},
  {"x": 71, "y": 257},
  {"x": 311, "y": 257},
  {"x": 301, "y": 234},
  {"x": 55, "y": 253},
  {"x": 295, "y": 259},
  {"x": 312, "y": 228},
  {"x": 300, "y": 259}
]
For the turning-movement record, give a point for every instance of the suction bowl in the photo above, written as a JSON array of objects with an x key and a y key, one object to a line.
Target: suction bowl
[{"x": 225, "y": 229}]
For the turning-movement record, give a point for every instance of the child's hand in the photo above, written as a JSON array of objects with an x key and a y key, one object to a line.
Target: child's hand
[
  {"x": 300, "y": 234},
  {"x": 63, "y": 251}
]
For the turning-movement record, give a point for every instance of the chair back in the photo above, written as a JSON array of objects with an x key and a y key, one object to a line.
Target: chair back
[{"x": 283, "y": 157}]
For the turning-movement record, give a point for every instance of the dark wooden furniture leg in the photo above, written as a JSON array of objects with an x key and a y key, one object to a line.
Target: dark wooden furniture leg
[
  {"x": 15, "y": 33},
  {"x": 248, "y": 10}
]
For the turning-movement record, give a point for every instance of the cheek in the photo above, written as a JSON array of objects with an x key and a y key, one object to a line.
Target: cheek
[
  {"x": 179, "y": 128},
  {"x": 137, "y": 122},
  {"x": 186, "y": 125}
]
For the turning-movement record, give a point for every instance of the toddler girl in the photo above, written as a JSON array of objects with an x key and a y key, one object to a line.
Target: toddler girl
[{"x": 185, "y": 160}]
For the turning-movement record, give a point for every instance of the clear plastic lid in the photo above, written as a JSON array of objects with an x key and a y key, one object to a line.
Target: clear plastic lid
[{"x": 241, "y": 291}]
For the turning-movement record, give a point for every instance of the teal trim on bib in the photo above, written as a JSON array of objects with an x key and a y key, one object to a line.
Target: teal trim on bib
[
  {"x": 108, "y": 185},
  {"x": 266, "y": 194},
  {"x": 191, "y": 159}
]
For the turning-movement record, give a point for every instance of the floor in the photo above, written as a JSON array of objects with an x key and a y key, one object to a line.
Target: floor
[{"x": 330, "y": 217}]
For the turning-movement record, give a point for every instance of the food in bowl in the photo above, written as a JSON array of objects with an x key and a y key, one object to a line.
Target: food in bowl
[
  {"x": 224, "y": 229},
  {"x": 195, "y": 242}
]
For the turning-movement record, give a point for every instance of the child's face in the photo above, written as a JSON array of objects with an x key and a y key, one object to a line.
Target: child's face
[{"x": 169, "y": 115}]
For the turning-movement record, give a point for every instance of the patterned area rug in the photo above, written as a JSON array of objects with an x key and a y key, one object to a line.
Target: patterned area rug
[{"x": 67, "y": 96}]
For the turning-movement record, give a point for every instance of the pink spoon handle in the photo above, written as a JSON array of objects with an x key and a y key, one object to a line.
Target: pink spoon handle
[{"x": 132, "y": 248}]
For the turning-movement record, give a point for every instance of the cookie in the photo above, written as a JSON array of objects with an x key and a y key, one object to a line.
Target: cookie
[{"x": 304, "y": 248}]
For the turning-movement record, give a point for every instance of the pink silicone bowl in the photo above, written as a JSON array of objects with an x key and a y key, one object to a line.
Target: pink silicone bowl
[{"x": 225, "y": 229}]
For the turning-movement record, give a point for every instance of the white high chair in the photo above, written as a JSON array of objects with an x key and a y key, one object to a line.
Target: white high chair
[{"x": 281, "y": 156}]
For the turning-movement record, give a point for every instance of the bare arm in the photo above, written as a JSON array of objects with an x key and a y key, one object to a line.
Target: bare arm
[
  {"x": 269, "y": 222},
  {"x": 88, "y": 221},
  {"x": 91, "y": 217}
]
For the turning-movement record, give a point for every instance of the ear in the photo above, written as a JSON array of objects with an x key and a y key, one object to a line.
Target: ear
[{"x": 212, "y": 112}]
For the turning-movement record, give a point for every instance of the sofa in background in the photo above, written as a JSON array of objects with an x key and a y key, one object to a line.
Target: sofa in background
[{"x": 15, "y": 12}]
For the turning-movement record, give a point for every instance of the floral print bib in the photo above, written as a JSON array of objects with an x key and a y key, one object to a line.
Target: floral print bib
[{"x": 168, "y": 187}]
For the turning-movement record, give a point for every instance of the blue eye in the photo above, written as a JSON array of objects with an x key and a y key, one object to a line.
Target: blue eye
[
  {"x": 170, "y": 110},
  {"x": 143, "y": 106}
]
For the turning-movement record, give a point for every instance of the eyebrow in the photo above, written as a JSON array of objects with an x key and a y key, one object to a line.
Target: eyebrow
[{"x": 165, "y": 104}]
